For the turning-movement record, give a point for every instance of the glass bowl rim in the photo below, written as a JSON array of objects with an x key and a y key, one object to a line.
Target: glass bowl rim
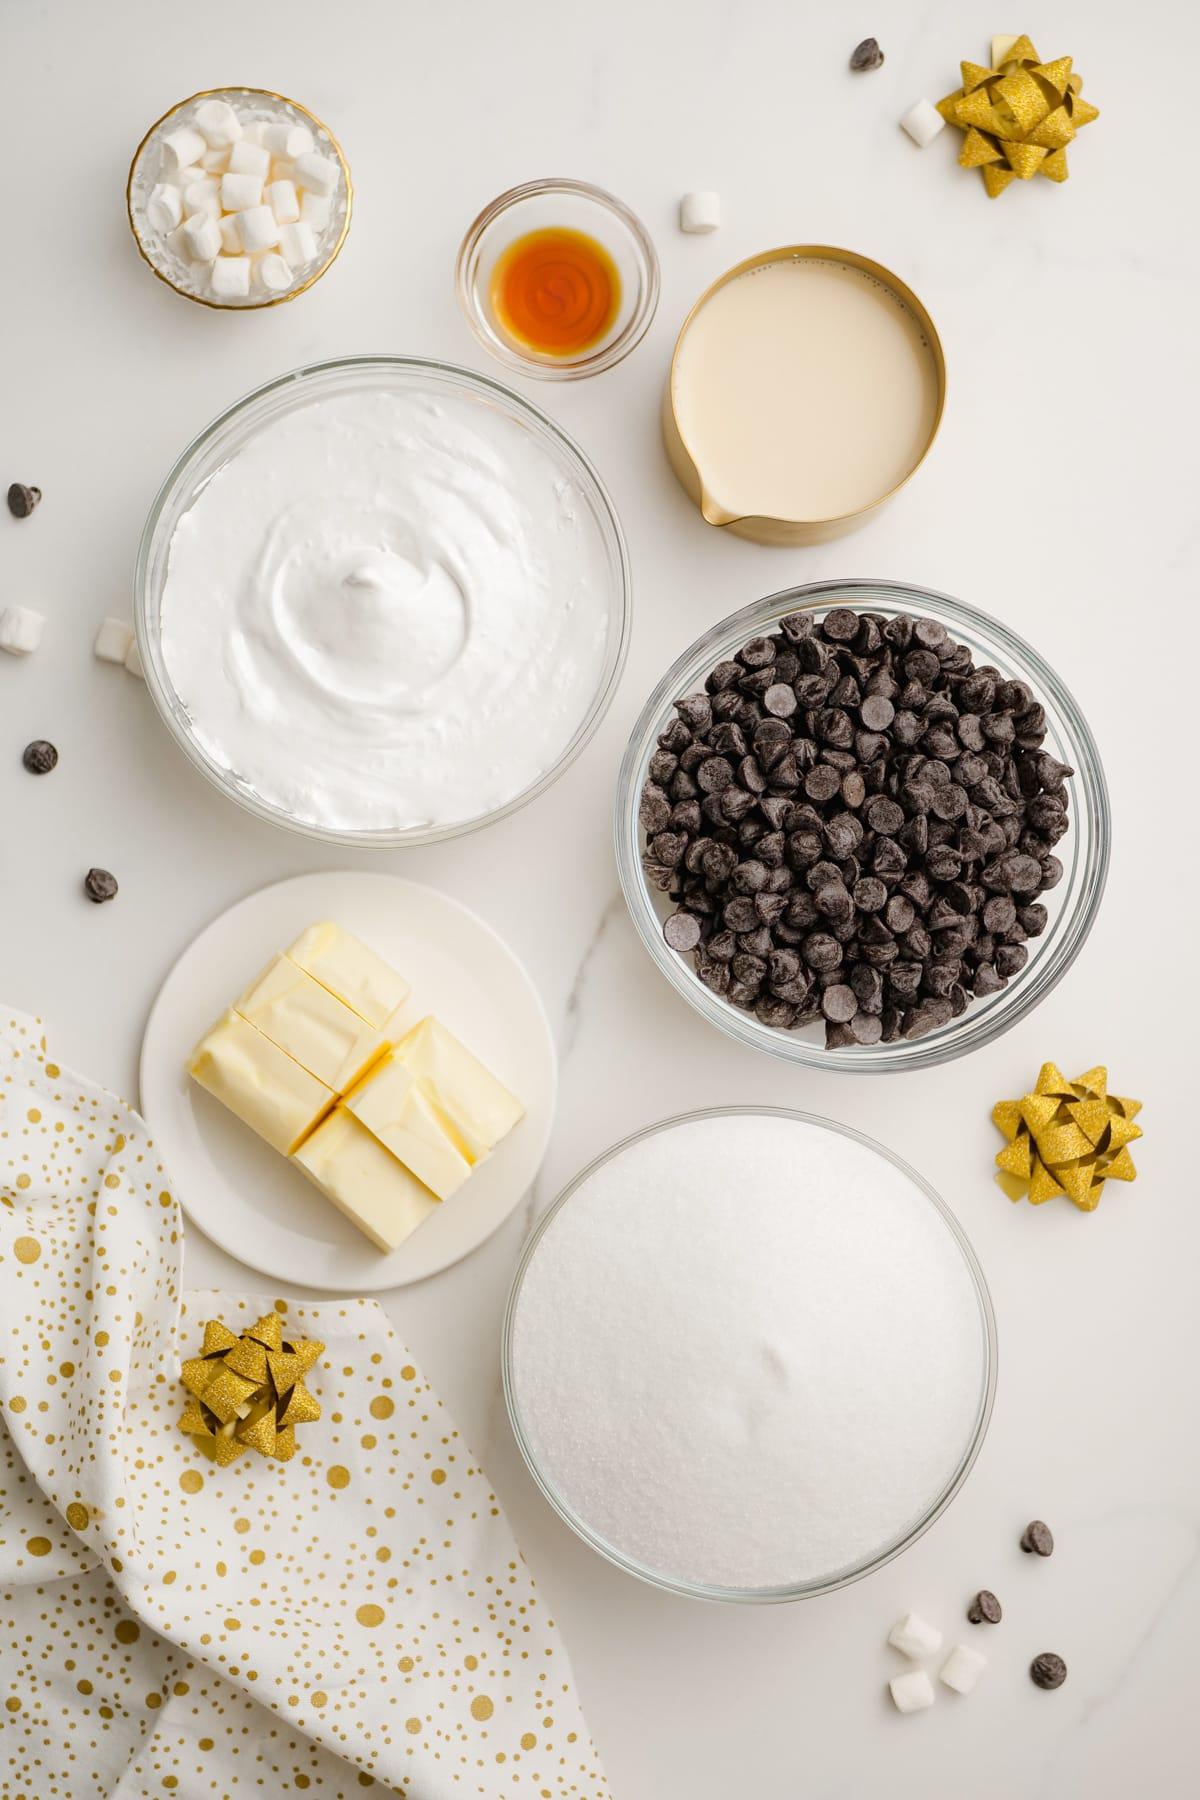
[
  {"x": 609, "y": 524},
  {"x": 1071, "y": 928},
  {"x": 612, "y": 352},
  {"x": 225, "y": 306},
  {"x": 792, "y": 1591}
]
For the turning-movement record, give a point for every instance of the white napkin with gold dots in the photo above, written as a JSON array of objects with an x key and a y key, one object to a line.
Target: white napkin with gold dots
[{"x": 357, "y": 1617}]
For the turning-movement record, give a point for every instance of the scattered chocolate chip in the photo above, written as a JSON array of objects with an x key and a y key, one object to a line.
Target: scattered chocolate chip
[
  {"x": 1038, "y": 1538},
  {"x": 984, "y": 1608},
  {"x": 39, "y": 757},
  {"x": 866, "y": 55},
  {"x": 99, "y": 885},
  {"x": 1048, "y": 1670},
  {"x": 22, "y": 499}
]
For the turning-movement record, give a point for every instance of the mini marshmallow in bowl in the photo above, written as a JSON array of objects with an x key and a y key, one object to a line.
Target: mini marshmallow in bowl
[{"x": 239, "y": 198}]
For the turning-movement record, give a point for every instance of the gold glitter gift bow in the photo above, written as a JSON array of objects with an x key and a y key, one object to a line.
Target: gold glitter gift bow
[
  {"x": 248, "y": 1392},
  {"x": 1019, "y": 118},
  {"x": 1066, "y": 1137}
]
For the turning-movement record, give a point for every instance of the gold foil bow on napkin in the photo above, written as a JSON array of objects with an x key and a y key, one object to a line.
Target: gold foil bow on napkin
[
  {"x": 1018, "y": 117},
  {"x": 1067, "y": 1137},
  {"x": 248, "y": 1392}
]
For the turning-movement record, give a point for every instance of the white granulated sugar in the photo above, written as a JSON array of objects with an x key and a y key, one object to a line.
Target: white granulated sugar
[{"x": 748, "y": 1352}]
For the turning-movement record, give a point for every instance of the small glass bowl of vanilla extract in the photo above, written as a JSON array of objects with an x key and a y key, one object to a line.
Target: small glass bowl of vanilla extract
[{"x": 558, "y": 279}]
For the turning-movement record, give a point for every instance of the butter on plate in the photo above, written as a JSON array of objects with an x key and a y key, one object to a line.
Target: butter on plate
[
  {"x": 364, "y": 1180},
  {"x": 309, "y": 1023},
  {"x": 480, "y": 1109},
  {"x": 407, "y": 1120},
  {"x": 260, "y": 1083},
  {"x": 386, "y": 1125},
  {"x": 351, "y": 971}
]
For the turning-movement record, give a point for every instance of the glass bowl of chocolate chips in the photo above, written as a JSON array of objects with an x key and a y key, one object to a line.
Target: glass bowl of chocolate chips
[{"x": 862, "y": 825}]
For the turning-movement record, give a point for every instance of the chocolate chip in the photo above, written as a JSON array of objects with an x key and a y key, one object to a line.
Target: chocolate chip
[
  {"x": 839, "y": 1003},
  {"x": 99, "y": 885},
  {"x": 866, "y": 1028},
  {"x": 840, "y": 626},
  {"x": 682, "y": 931},
  {"x": 22, "y": 499},
  {"x": 714, "y": 775},
  {"x": 876, "y": 712},
  {"x": 780, "y": 700},
  {"x": 1038, "y": 1537},
  {"x": 1048, "y": 1670},
  {"x": 695, "y": 710},
  {"x": 39, "y": 757},
  {"x": 866, "y": 55},
  {"x": 821, "y": 952},
  {"x": 654, "y": 809},
  {"x": 985, "y": 1608}
]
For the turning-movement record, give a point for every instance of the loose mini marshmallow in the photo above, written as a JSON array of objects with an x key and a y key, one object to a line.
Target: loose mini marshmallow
[
  {"x": 203, "y": 196},
  {"x": 231, "y": 277},
  {"x": 922, "y": 123},
  {"x": 258, "y": 227},
  {"x": 320, "y": 173},
  {"x": 249, "y": 159},
  {"x": 912, "y": 1692},
  {"x": 215, "y": 162},
  {"x": 700, "y": 211},
  {"x": 219, "y": 123},
  {"x": 315, "y": 210},
  {"x": 273, "y": 272},
  {"x": 182, "y": 147},
  {"x": 133, "y": 661},
  {"x": 240, "y": 191},
  {"x": 231, "y": 236},
  {"x": 962, "y": 1669},
  {"x": 164, "y": 208},
  {"x": 202, "y": 236},
  {"x": 21, "y": 630},
  {"x": 283, "y": 201},
  {"x": 298, "y": 243},
  {"x": 282, "y": 138},
  {"x": 915, "y": 1636},
  {"x": 113, "y": 640}
]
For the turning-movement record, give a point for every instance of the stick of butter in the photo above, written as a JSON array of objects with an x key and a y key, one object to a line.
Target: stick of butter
[
  {"x": 313, "y": 1026},
  {"x": 395, "y": 1109},
  {"x": 357, "y": 977},
  {"x": 479, "y": 1107},
  {"x": 259, "y": 1082},
  {"x": 364, "y": 1180}
]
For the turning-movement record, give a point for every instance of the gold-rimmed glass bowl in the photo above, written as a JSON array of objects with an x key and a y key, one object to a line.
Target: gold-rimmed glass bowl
[{"x": 146, "y": 170}]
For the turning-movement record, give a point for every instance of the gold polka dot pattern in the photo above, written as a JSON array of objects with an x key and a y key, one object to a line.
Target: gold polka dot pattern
[{"x": 357, "y": 1617}]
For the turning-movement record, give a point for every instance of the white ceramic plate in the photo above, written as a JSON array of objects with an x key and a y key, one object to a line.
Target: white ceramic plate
[{"x": 242, "y": 1194}]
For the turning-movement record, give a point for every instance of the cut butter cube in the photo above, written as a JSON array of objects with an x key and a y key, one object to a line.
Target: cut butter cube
[
  {"x": 364, "y": 1180},
  {"x": 358, "y": 977},
  {"x": 480, "y": 1109},
  {"x": 313, "y": 1026},
  {"x": 259, "y": 1082},
  {"x": 396, "y": 1110}
]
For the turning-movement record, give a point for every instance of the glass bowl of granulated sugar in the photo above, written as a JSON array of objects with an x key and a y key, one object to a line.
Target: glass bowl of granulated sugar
[{"x": 749, "y": 1355}]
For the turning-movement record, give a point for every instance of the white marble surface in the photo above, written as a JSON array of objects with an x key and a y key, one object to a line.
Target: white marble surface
[{"x": 1058, "y": 496}]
